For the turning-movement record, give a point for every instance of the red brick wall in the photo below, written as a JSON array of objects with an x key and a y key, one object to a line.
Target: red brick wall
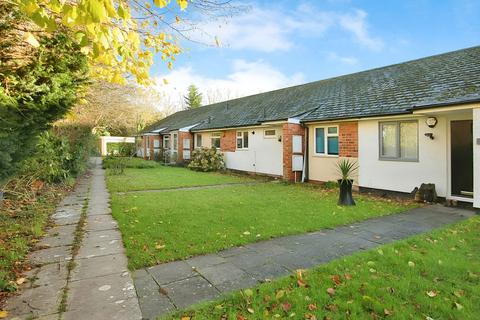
[
  {"x": 181, "y": 136},
  {"x": 289, "y": 130},
  {"x": 348, "y": 139},
  {"x": 144, "y": 146},
  {"x": 228, "y": 141}
]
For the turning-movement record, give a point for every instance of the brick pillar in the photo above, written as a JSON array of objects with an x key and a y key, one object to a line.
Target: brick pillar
[
  {"x": 228, "y": 141},
  {"x": 182, "y": 147},
  {"x": 288, "y": 131},
  {"x": 152, "y": 153},
  {"x": 144, "y": 146},
  {"x": 348, "y": 139}
]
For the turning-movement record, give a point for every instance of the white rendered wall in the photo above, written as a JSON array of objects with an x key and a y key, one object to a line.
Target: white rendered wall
[
  {"x": 264, "y": 155},
  {"x": 404, "y": 176},
  {"x": 476, "y": 158}
]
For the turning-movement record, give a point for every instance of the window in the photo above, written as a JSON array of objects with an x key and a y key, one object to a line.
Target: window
[
  {"x": 198, "y": 140},
  {"x": 399, "y": 140},
  {"x": 156, "y": 143},
  {"x": 166, "y": 142},
  {"x": 326, "y": 141},
  {"x": 270, "y": 133},
  {"x": 242, "y": 139},
  {"x": 216, "y": 139},
  {"x": 175, "y": 141}
]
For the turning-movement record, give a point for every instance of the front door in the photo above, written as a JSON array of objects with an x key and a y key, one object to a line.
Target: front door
[{"x": 462, "y": 158}]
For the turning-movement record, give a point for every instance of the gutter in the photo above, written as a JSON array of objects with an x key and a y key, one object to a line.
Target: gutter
[{"x": 305, "y": 156}]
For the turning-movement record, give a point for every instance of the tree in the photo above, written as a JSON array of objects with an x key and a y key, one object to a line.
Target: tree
[
  {"x": 117, "y": 110},
  {"x": 38, "y": 85},
  {"x": 120, "y": 37},
  {"x": 194, "y": 98}
]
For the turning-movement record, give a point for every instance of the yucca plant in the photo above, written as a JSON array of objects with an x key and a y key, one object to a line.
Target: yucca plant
[{"x": 346, "y": 169}]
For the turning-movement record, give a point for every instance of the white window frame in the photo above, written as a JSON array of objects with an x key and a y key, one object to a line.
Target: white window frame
[
  {"x": 325, "y": 140},
  {"x": 240, "y": 135},
  {"x": 398, "y": 156},
  {"x": 198, "y": 135},
  {"x": 175, "y": 141},
  {"x": 270, "y": 136},
  {"x": 166, "y": 141},
  {"x": 215, "y": 135}
]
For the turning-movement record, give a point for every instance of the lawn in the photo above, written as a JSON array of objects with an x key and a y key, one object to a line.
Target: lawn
[
  {"x": 164, "y": 177},
  {"x": 430, "y": 276},
  {"x": 171, "y": 225}
]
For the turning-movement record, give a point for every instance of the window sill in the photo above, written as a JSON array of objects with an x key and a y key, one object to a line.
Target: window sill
[
  {"x": 321, "y": 155},
  {"x": 398, "y": 160}
]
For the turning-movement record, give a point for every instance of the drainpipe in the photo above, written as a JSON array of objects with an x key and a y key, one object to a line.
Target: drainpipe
[{"x": 305, "y": 155}]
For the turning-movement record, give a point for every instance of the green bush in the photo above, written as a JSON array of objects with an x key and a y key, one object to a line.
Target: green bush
[
  {"x": 38, "y": 86},
  {"x": 330, "y": 185},
  {"x": 59, "y": 156},
  {"x": 206, "y": 160},
  {"x": 111, "y": 162}
]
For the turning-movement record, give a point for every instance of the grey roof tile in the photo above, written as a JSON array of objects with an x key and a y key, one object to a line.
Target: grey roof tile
[{"x": 394, "y": 89}]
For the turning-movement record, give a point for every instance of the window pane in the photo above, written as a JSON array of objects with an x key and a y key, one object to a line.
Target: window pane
[
  {"x": 332, "y": 130},
  {"x": 332, "y": 145},
  {"x": 239, "y": 143},
  {"x": 199, "y": 140},
  {"x": 320, "y": 140},
  {"x": 245, "y": 139},
  {"x": 216, "y": 142},
  {"x": 269, "y": 133},
  {"x": 408, "y": 140},
  {"x": 239, "y": 133},
  {"x": 389, "y": 140}
]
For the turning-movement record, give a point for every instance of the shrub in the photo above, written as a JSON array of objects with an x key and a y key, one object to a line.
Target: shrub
[
  {"x": 111, "y": 162},
  {"x": 330, "y": 185},
  {"x": 206, "y": 160}
]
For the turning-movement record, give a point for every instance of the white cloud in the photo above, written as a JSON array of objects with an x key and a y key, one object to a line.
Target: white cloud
[
  {"x": 357, "y": 24},
  {"x": 272, "y": 29},
  {"x": 342, "y": 59},
  {"x": 246, "y": 78}
]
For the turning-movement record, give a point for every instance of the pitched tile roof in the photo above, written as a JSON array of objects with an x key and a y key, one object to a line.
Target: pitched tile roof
[{"x": 394, "y": 89}]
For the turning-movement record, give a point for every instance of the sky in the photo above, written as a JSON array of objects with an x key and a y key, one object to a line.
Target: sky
[{"x": 276, "y": 44}]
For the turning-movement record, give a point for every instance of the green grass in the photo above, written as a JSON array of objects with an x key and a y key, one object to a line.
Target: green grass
[
  {"x": 164, "y": 226},
  {"x": 129, "y": 162},
  {"x": 21, "y": 224},
  {"x": 163, "y": 177},
  {"x": 431, "y": 276}
]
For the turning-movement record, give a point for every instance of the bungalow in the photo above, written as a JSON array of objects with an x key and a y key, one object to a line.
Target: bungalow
[{"x": 405, "y": 124}]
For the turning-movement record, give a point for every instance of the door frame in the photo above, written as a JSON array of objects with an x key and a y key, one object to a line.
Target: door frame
[{"x": 449, "y": 160}]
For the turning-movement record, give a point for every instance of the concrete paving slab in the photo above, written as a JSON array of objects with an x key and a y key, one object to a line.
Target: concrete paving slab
[
  {"x": 57, "y": 237},
  {"x": 186, "y": 292},
  {"x": 152, "y": 301},
  {"x": 51, "y": 255},
  {"x": 267, "y": 271},
  {"x": 170, "y": 272},
  {"x": 220, "y": 273},
  {"x": 205, "y": 261},
  {"x": 51, "y": 274},
  {"x": 92, "y": 248},
  {"x": 99, "y": 266},
  {"x": 100, "y": 222},
  {"x": 119, "y": 310},
  {"x": 103, "y": 235}
]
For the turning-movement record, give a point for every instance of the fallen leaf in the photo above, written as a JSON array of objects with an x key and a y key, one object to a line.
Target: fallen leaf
[
  {"x": 458, "y": 306},
  {"x": 348, "y": 276},
  {"x": 387, "y": 312},
  {"x": 312, "y": 307},
  {"x": 331, "y": 307},
  {"x": 186, "y": 318},
  {"x": 240, "y": 317},
  {"x": 246, "y": 233},
  {"x": 411, "y": 264},
  {"x": 248, "y": 292},
  {"x": 301, "y": 283},
  {"x": 20, "y": 280},
  {"x": 331, "y": 291},
  {"x": 336, "y": 279},
  {"x": 280, "y": 293},
  {"x": 159, "y": 246},
  {"x": 459, "y": 293},
  {"x": 286, "y": 306},
  {"x": 310, "y": 316},
  {"x": 3, "y": 314},
  {"x": 432, "y": 293},
  {"x": 250, "y": 310},
  {"x": 30, "y": 38}
]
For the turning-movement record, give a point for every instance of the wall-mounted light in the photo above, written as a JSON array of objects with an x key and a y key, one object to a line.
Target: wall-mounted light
[
  {"x": 253, "y": 132},
  {"x": 429, "y": 135},
  {"x": 431, "y": 122}
]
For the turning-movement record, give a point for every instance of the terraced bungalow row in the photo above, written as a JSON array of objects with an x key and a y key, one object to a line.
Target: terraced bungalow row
[{"x": 405, "y": 124}]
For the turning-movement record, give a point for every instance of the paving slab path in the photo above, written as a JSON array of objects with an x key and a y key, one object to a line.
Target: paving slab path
[
  {"x": 167, "y": 287},
  {"x": 97, "y": 285}
]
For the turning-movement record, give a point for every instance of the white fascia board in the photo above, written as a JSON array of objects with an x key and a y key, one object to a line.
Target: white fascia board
[
  {"x": 293, "y": 120},
  {"x": 187, "y": 129}
]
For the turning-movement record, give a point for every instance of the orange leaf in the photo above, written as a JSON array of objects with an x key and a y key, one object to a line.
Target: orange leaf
[
  {"x": 312, "y": 307},
  {"x": 301, "y": 283},
  {"x": 286, "y": 306},
  {"x": 336, "y": 279}
]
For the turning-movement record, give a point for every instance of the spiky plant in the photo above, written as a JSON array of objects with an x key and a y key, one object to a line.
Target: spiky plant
[{"x": 346, "y": 169}]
